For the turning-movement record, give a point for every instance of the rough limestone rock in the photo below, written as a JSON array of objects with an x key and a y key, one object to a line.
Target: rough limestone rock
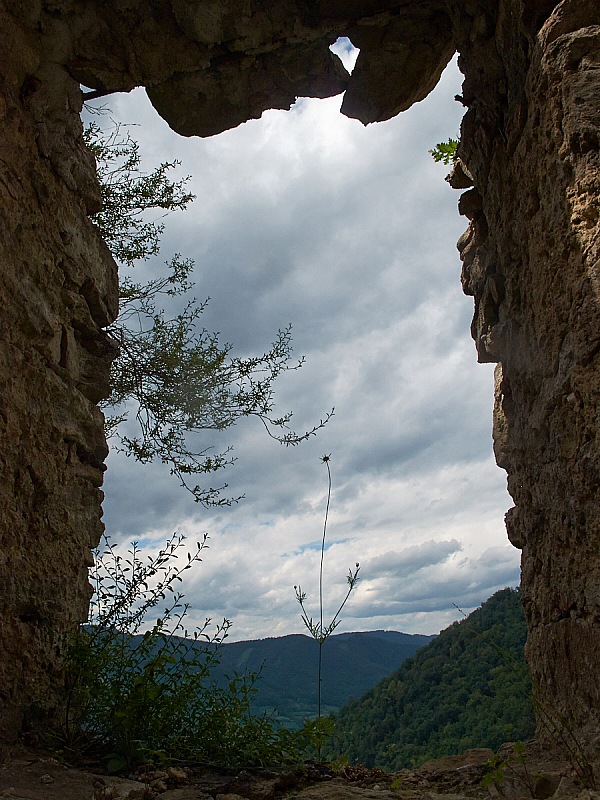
[
  {"x": 58, "y": 288},
  {"x": 538, "y": 772},
  {"x": 531, "y": 260},
  {"x": 529, "y": 161}
]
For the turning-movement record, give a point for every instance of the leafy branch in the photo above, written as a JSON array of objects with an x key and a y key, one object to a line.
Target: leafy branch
[
  {"x": 445, "y": 152},
  {"x": 172, "y": 376}
]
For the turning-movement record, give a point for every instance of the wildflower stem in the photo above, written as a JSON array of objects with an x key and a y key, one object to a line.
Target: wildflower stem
[
  {"x": 321, "y": 636},
  {"x": 318, "y": 630}
]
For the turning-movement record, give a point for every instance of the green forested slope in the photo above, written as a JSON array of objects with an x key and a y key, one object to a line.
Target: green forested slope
[
  {"x": 287, "y": 687},
  {"x": 468, "y": 688}
]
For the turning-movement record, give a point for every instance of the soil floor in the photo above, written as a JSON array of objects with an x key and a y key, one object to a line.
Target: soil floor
[{"x": 537, "y": 773}]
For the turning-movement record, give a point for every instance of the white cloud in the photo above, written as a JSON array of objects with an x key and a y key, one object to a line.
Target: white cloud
[{"x": 347, "y": 232}]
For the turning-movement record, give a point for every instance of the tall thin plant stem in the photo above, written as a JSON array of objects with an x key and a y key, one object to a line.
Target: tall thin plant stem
[
  {"x": 318, "y": 630},
  {"x": 321, "y": 637}
]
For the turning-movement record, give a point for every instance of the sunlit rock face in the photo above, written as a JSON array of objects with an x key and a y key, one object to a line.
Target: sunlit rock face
[
  {"x": 530, "y": 139},
  {"x": 529, "y": 145}
]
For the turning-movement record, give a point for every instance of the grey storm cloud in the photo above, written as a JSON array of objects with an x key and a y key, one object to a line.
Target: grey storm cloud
[
  {"x": 412, "y": 559},
  {"x": 428, "y": 588},
  {"x": 348, "y": 233}
]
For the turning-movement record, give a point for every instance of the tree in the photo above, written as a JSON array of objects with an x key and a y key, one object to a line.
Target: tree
[
  {"x": 469, "y": 687},
  {"x": 173, "y": 377}
]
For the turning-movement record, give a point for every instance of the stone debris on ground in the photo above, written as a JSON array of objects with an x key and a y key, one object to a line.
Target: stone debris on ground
[{"x": 539, "y": 775}]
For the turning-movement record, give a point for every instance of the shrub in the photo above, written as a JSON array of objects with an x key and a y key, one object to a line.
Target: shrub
[{"x": 139, "y": 693}]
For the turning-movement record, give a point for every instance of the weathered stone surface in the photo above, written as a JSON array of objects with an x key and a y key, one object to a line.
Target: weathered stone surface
[
  {"x": 531, "y": 260},
  {"x": 58, "y": 287},
  {"x": 538, "y": 772},
  {"x": 402, "y": 57},
  {"x": 210, "y": 101},
  {"x": 530, "y": 155}
]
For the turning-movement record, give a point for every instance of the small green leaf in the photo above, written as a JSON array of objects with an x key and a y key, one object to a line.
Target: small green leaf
[{"x": 445, "y": 152}]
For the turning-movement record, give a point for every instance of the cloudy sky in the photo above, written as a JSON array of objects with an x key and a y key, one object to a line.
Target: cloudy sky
[{"x": 348, "y": 233}]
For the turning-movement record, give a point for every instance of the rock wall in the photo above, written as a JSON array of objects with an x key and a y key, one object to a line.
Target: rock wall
[
  {"x": 531, "y": 260},
  {"x": 529, "y": 152},
  {"x": 58, "y": 287}
]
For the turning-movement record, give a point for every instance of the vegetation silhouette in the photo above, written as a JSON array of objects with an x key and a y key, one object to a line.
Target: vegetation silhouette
[
  {"x": 143, "y": 691},
  {"x": 173, "y": 380},
  {"x": 321, "y": 728}
]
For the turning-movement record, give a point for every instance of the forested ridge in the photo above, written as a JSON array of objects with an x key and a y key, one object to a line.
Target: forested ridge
[
  {"x": 287, "y": 686},
  {"x": 286, "y": 669},
  {"x": 470, "y": 687}
]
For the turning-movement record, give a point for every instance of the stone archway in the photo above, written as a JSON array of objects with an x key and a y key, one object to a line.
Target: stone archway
[{"x": 529, "y": 152}]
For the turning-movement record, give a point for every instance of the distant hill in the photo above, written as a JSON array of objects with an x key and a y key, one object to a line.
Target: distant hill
[
  {"x": 469, "y": 687},
  {"x": 352, "y": 664}
]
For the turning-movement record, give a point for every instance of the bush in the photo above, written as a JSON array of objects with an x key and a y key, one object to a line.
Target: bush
[{"x": 138, "y": 693}]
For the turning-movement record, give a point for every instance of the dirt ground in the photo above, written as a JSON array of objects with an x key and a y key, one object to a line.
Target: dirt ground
[{"x": 537, "y": 773}]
